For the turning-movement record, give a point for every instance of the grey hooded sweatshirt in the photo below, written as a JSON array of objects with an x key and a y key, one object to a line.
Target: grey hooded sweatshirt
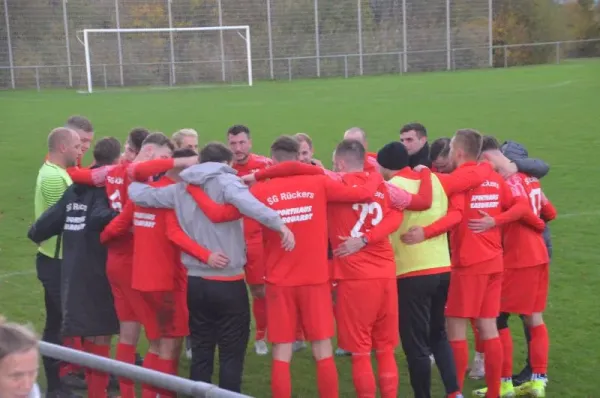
[{"x": 221, "y": 183}]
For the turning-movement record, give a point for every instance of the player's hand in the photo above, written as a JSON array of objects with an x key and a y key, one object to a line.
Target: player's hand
[
  {"x": 257, "y": 291},
  {"x": 420, "y": 167},
  {"x": 482, "y": 224},
  {"x": 288, "y": 242},
  {"x": 414, "y": 235},
  {"x": 317, "y": 162},
  {"x": 350, "y": 246},
  {"x": 218, "y": 260},
  {"x": 249, "y": 179},
  {"x": 507, "y": 170}
]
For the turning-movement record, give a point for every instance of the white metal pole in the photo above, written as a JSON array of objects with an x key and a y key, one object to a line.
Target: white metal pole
[
  {"x": 119, "y": 44},
  {"x": 67, "y": 42},
  {"x": 404, "y": 38},
  {"x": 317, "y": 46},
  {"x": 491, "y": 31},
  {"x": 249, "y": 55},
  {"x": 360, "y": 38},
  {"x": 448, "y": 37},
  {"x": 9, "y": 44},
  {"x": 223, "y": 76},
  {"x": 270, "y": 38},
  {"x": 171, "y": 43},
  {"x": 88, "y": 66}
]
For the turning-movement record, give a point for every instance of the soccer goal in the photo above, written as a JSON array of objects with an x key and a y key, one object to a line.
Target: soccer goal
[{"x": 166, "y": 57}]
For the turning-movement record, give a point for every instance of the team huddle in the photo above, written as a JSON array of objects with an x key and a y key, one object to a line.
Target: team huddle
[{"x": 403, "y": 246}]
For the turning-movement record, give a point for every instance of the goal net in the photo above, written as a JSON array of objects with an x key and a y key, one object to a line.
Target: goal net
[{"x": 166, "y": 57}]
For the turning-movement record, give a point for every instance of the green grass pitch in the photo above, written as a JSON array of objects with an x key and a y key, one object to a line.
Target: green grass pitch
[{"x": 553, "y": 110}]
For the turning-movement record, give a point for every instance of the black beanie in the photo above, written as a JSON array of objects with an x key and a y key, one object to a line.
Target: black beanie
[{"x": 393, "y": 156}]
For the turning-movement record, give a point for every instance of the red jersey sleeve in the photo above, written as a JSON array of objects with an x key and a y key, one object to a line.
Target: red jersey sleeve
[
  {"x": 516, "y": 207},
  {"x": 548, "y": 211},
  {"x": 340, "y": 192},
  {"x": 452, "y": 218},
  {"x": 464, "y": 178},
  {"x": 119, "y": 225},
  {"x": 142, "y": 171},
  {"x": 391, "y": 222},
  {"x": 255, "y": 266},
  {"x": 182, "y": 240},
  {"x": 287, "y": 169},
  {"x": 93, "y": 177},
  {"x": 214, "y": 211},
  {"x": 422, "y": 200}
]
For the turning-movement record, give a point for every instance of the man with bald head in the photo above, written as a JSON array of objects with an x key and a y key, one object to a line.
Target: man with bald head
[
  {"x": 358, "y": 134},
  {"x": 64, "y": 149}
]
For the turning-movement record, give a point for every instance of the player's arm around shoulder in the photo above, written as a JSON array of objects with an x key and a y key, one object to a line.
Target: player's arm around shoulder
[
  {"x": 148, "y": 196},
  {"x": 238, "y": 194},
  {"x": 52, "y": 221}
]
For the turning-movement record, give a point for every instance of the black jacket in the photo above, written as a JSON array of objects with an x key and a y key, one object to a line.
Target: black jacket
[
  {"x": 87, "y": 300},
  {"x": 421, "y": 157}
]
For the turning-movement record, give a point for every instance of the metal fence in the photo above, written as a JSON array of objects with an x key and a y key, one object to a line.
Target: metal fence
[
  {"x": 136, "y": 373},
  {"x": 40, "y": 40}
]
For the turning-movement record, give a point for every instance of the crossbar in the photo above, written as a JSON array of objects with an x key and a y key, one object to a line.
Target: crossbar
[
  {"x": 137, "y": 373},
  {"x": 150, "y": 30}
]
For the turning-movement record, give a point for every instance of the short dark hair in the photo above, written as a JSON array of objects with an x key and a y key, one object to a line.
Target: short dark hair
[
  {"x": 215, "y": 152},
  {"x": 285, "y": 148},
  {"x": 80, "y": 123},
  {"x": 107, "y": 151},
  {"x": 136, "y": 138},
  {"x": 184, "y": 153},
  {"x": 352, "y": 150},
  {"x": 470, "y": 141},
  {"x": 158, "y": 139},
  {"x": 417, "y": 127},
  {"x": 238, "y": 129},
  {"x": 303, "y": 137},
  {"x": 489, "y": 143},
  {"x": 439, "y": 148}
]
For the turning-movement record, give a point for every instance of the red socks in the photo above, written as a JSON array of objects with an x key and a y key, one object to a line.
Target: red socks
[
  {"x": 126, "y": 353},
  {"x": 76, "y": 344},
  {"x": 539, "y": 348},
  {"x": 493, "y": 366},
  {"x": 460, "y": 349},
  {"x": 167, "y": 366},
  {"x": 327, "y": 378},
  {"x": 362, "y": 376},
  {"x": 476, "y": 338},
  {"x": 387, "y": 370},
  {"x": 97, "y": 380},
  {"x": 259, "y": 309},
  {"x": 281, "y": 379},
  {"x": 150, "y": 362},
  {"x": 507, "y": 349}
]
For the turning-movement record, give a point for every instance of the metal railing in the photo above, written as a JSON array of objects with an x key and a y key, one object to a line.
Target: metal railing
[
  {"x": 291, "y": 68},
  {"x": 137, "y": 373}
]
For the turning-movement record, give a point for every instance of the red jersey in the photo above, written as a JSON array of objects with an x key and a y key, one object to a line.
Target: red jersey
[
  {"x": 254, "y": 164},
  {"x": 470, "y": 249},
  {"x": 371, "y": 164},
  {"x": 376, "y": 259},
  {"x": 301, "y": 201},
  {"x": 157, "y": 262},
  {"x": 523, "y": 245}
]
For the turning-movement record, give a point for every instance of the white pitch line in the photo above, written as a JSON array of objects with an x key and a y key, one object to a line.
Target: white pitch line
[{"x": 560, "y": 216}]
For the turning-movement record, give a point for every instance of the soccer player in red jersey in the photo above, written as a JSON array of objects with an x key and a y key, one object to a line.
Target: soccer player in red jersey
[
  {"x": 356, "y": 133},
  {"x": 367, "y": 302},
  {"x": 525, "y": 279},
  {"x": 163, "y": 288},
  {"x": 477, "y": 263},
  {"x": 245, "y": 162}
]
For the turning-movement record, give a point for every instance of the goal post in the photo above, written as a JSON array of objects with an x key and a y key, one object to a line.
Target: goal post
[{"x": 198, "y": 47}]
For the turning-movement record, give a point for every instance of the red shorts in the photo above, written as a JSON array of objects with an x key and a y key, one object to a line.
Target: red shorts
[
  {"x": 127, "y": 301},
  {"x": 165, "y": 314},
  {"x": 525, "y": 290},
  {"x": 309, "y": 307},
  {"x": 367, "y": 315},
  {"x": 474, "y": 296}
]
